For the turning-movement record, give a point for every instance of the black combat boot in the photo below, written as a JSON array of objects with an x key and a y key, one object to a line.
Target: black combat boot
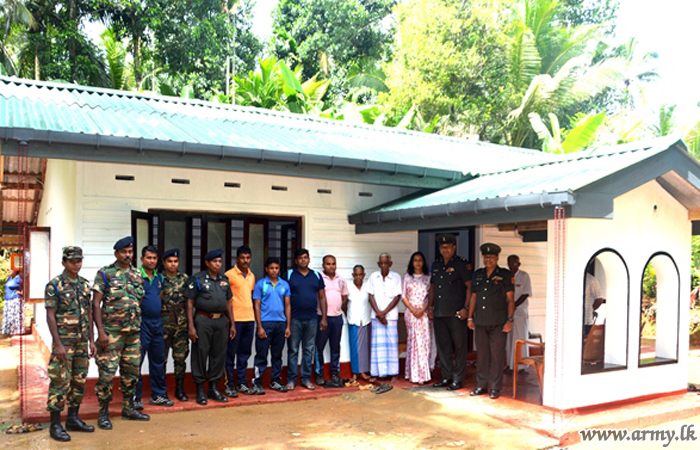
[
  {"x": 56, "y": 430},
  {"x": 201, "y": 396},
  {"x": 103, "y": 417},
  {"x": 131, "y": 413},
  {"x": 73, "y": 422},
  {"x": 180, "y": 390},
  {"x": 214, "y": 394}
]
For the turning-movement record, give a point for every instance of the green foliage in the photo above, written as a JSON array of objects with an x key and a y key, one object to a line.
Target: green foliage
[
  {"x": 453, "y": 65},
  {"x": 328, "y": 36},
  {"x": 649, "y": 301},
  {"x": 275, "y": 86}
]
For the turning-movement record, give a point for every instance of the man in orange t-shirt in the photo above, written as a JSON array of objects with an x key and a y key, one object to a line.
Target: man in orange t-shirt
[{"x": 239, "y": 349}]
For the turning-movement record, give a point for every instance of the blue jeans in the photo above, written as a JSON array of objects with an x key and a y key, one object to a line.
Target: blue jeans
[
  {"x": 274, "y": 343},
  {"x": 302, "y": 332},
  {"x": 152, "y": 342},
  {"x": 332, "y": 333},
  {"x": 238, "y": 352}
]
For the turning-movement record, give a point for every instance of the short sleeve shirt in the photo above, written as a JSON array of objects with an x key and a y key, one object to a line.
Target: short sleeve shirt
[
  {"x": 304, "y": 293},
  {"x": 335, "y": 289},
  {"x": 522, "y": 287},
  {"x": 385, "y": 291},
  {"x": 271, "y": 299},
  {"x": 359, "y": 309},
  {"x": 491, "y": 299},
  {"x": 151, "y": 303},
  {"x": 122, "y": 291},
  {"x": 210, "y": 294},
  {"x": 449, "y": 288},
  {"x": 593, "y": 291},
  {"x": 242, "y": 288},
  {"x": 71, "y": 299}
]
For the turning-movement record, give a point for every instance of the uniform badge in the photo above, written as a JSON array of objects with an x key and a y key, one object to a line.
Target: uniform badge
[
  {"x": 450, "y": 269},
  {"x": 223, "y": 284}
]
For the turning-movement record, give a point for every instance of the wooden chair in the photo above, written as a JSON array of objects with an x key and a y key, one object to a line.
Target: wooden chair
[{"x": 536, "y": 361}]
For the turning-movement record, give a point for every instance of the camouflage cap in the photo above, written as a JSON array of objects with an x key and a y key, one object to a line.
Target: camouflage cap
[{"x": 72, "y": 252}]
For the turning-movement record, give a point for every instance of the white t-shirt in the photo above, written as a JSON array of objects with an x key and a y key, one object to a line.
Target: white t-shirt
[
  {"x": 385, "y": 291},
  {"x": 593, "y": 291},
  {"x": 359, "y": 309},
  {"x": 522, "y": 286}
]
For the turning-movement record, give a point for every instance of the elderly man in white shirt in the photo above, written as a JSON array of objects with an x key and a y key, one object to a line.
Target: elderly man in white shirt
[
  {"x": 384, "y": 288},
  {"x": 523, "y": 291}
]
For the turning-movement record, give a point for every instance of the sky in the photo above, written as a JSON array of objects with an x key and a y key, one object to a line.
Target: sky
[{"x": 670, "y": 29}]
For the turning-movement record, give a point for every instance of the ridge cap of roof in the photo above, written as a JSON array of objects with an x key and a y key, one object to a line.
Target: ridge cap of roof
[
  {"x": 654, "y": 144},
  {"x": 149, "y": 95}
]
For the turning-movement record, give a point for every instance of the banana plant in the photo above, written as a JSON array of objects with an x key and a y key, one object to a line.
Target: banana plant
[{"x": 577, "y": 138}]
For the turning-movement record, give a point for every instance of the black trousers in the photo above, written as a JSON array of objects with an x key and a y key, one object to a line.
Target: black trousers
[
  {"x": 209, "y": 351},
  {"x": 451, "y": 340},
  {"x": 490, "y": 356}
]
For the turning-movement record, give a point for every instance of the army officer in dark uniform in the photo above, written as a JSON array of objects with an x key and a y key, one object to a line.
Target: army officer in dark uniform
[
  {"x": 210, "y": 327},
  {"x": 491, "y": 316},
  {"x": 450, "y": 290}
]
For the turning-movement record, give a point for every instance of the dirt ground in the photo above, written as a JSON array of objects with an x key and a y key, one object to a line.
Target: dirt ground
[{"x": 398, "y": 419}]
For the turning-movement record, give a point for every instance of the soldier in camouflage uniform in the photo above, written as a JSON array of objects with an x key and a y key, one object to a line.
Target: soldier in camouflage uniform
[
  {"x": 174, "y": 315},
  {"x": 118, "y": 290},
  {"x": 67, "y": 300}
]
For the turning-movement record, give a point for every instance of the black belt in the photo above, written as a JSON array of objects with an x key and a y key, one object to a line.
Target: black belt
[{"x": 211, "y": 315}]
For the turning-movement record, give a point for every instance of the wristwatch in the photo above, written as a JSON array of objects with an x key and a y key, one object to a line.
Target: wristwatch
[{"x": 510, "y": 319}]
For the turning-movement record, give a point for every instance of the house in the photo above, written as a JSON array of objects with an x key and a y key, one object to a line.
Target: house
[{"x": 200, "y": 175}]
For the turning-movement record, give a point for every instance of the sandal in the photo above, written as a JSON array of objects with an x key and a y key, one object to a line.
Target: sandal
[{"x": 382, "y": 388}]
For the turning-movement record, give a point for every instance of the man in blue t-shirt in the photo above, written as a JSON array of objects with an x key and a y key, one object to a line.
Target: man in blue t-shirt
[
  {"x": 306, "y": 286},
  {"x": 152, "y": 341},
  {"x": 273, "y": 314}
]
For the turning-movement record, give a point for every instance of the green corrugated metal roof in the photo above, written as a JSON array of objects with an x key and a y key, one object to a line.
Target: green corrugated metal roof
[
  {"x": 565, "y": 176},
  {"x": 65, "y": 108}
]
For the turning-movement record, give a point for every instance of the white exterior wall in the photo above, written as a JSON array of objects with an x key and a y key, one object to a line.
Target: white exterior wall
[
  {"x": 57, "y": 211},
  {"x": 533, "y": 259},
  {"x": 637, "y": 231},
  {"x": 103, "y": 205}
]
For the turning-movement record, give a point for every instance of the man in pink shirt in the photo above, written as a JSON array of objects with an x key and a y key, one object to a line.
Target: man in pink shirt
[{"x": 336, "y": 288}]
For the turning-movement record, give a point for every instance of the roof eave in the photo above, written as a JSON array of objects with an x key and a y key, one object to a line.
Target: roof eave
[
  {"x": 122, "y": 149},
  {"x": 543, "y": 200}
]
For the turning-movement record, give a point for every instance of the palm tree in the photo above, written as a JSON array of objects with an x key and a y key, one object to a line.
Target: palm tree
[
  {"x": 14, "y": 16},
  {"x": 550, "y": 67}
]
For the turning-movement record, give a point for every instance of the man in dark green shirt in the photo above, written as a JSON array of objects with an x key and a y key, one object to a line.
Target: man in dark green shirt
[
  {"x": 491, "y": 312},
  {"x": 209, "y": 293},
  {"x": 450, "y": 288}
]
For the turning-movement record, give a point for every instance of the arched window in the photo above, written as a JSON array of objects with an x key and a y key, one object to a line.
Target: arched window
[
  {"x": 659, "y": 315},
  {"x": 605, "y": 313}
]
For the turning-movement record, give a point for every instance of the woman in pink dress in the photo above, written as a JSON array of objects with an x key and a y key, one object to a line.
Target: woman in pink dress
[{"x": 416, "y": 283}]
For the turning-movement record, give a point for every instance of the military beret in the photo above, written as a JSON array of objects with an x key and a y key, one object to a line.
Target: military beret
[
  {"x": 445, "y": 238},
  {"x": 124, "y": 242},
  {"x": 172, "y": 252},
  {"x": 214, "y": 254},
  {"x": 72, "y": 252},
  {"x": 490, "y": 249}
]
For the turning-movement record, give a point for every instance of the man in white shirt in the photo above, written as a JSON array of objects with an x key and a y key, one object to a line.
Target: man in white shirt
[
  {"x": 359, "y": 313},
  {"x": 593, "y": 298},
  {"x": 523, "y": 290},
  {"x": 384, "y": 288}
]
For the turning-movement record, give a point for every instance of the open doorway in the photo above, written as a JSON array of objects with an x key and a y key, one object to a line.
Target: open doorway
[{"x": 195, "y": 233}]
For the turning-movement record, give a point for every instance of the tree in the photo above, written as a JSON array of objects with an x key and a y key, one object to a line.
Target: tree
[
  {"x": 328, "y": 36},
  {"x": 14, "y": 17},
  {"x": 454, "y": 65}
]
